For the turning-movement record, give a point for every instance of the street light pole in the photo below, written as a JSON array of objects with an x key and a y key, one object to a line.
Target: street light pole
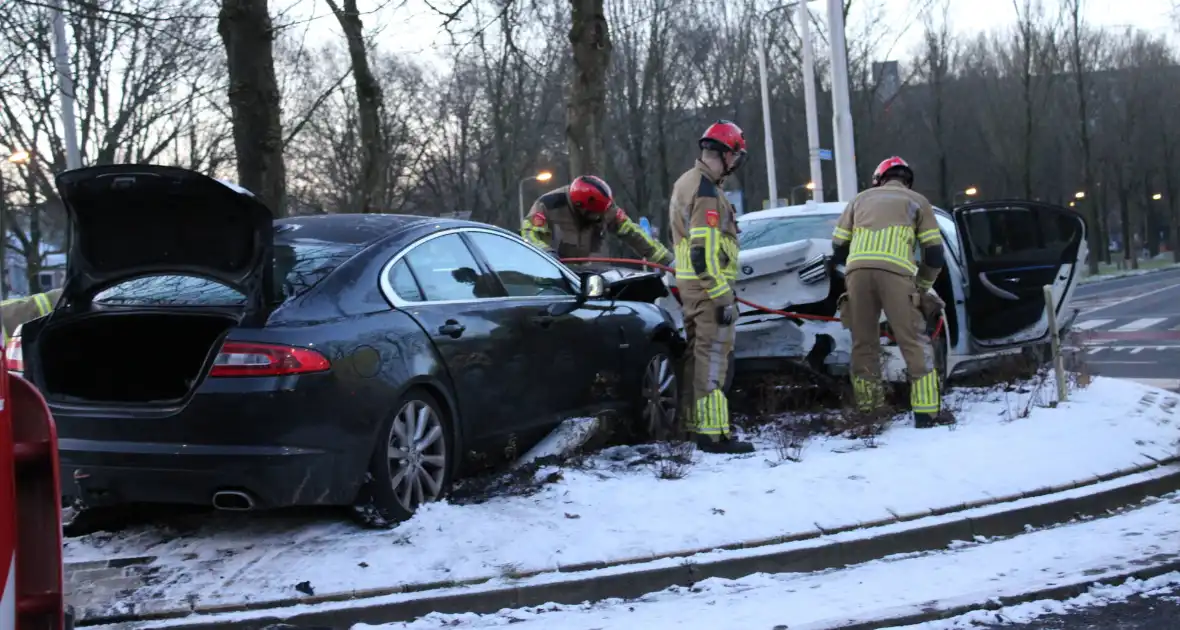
[
  {"x": 65, "y": 84},
  {"x": 543, "y": 176},
  {"x": 768, "y": 137},
  {"x": 842, "y": 114},
  {"x": 817, "y": 171}
]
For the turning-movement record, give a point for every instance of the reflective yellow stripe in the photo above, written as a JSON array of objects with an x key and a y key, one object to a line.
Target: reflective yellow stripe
[
  {"x": 532, "y": 234},
  {"x": 893, "y": 244},
  {"x": 929, "y": 237},
  {"x": 869, "y": 395},
  {"x": 924, "y": 397},
  {"x": 43, "y": 305},
  {"x": 658, "y": 251},
  {"x": 841, "y": 234},
  {"x": 712, "y": 414}
]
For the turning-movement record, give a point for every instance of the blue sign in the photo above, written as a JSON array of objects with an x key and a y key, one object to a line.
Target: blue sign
[
  {"x": 825, "y": 154},
  {"x": 646, "y": 225}
]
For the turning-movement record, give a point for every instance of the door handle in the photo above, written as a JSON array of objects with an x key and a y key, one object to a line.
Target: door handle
[{"x": 452, "y": 328}]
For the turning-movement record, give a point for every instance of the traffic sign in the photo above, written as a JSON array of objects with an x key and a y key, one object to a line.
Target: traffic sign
[{"x": 825, "y": 154}]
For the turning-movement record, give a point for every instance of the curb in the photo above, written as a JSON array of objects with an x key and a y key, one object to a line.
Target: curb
[
  {"x": 354, "y": 609},
  {"x": 996, "y": 602}
]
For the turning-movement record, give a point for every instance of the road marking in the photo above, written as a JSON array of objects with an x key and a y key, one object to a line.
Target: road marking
[
  {"x": 1137, "y": 350},
  {"x": 1120, "y": 301},
  {"x": 1091, "y": 324},
  {"x": 1139, "y": 324},
  {"x": 1123, "y": 363}
]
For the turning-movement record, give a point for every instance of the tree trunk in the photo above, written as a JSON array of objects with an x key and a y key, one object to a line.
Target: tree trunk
[
  {"x": 370, "y": 104},
  {"x": 586, "y": 112},
  {"x": 247, "y": 33}
]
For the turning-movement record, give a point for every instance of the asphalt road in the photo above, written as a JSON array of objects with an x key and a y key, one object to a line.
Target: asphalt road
[
  {"x": 1130, "y": 327},
  {"x": 1137, "y": 613}
]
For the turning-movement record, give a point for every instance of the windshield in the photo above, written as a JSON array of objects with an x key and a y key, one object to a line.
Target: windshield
[
  {"x": 299, "y": 263},
  {"x": 780, "y": 230}
]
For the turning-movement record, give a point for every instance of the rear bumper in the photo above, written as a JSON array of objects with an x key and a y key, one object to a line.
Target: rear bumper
[
  {"x": 283, "y": 444},
  {"x": 112, "y": 473}
]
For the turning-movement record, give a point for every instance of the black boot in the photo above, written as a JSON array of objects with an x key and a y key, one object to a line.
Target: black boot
[
  {"x": 724, "y": 445},
  {"x": 928, "y": 421}
]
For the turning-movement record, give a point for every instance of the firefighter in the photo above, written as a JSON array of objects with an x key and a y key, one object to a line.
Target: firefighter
[
  {"x": 874, "y": 238},
  {"x": 17, "y": 311},
  {"x": 570, "y": 223},
  {"x": 704, "y": 236}
]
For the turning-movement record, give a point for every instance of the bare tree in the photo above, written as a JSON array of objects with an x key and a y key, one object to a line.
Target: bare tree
[
  {"x": 590, "y": 39},
  {"x": 248, "y": 34},
  {"x": 370, "y": 105}
]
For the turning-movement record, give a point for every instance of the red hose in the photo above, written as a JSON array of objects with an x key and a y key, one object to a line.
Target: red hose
[{"x": 765, "y": 309}]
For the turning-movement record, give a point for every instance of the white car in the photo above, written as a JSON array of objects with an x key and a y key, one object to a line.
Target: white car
[{"x": 1000, "y": 255}]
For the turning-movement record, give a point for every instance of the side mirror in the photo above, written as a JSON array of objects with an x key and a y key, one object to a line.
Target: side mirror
[{"x": 593, "y": 286}]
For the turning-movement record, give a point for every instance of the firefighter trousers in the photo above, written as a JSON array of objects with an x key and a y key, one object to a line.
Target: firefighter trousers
[
  {"x": 709, "y": 346},
  {"x": 871, "y": 291}
]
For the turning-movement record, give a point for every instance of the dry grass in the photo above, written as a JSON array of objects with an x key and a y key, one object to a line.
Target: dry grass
[{"x": 673, "y": 460}]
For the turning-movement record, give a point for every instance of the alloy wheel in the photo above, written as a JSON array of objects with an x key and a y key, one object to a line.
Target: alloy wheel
[
  {"x": 660, "y": 397},
  {"x": 417, "y": 455}
]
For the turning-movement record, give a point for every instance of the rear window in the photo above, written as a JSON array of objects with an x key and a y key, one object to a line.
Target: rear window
[
  {"x": 777, "y": 231},
  {"x": 299, "y": 264}
]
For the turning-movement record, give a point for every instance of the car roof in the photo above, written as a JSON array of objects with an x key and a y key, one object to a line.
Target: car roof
[
  {"x": 358, "y": 229},
  {"x": 808, "y": 209}
]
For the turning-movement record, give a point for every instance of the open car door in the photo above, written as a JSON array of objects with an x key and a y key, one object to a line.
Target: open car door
[{"x": 1011, "y": 250}]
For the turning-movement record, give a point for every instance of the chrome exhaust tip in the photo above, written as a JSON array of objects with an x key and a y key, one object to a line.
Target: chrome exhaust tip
[{"x": 233, "y": 501}]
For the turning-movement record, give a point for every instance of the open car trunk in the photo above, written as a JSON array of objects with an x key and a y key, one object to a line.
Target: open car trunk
[{"x": 128, "y": 357}]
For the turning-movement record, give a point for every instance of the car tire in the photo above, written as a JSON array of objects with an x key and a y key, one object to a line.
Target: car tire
[
  {"x": 401, "y": 479},
  {"x": 658, "y": 406}
]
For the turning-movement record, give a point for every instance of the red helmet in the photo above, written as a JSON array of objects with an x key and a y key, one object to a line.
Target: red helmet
[
  {"x": 724, "y": 136},
  {"x": 590, "y": 194},
  {"x": 894, "y": 167}
]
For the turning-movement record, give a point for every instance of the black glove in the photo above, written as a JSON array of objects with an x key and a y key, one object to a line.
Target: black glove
[{"x": 725, "y": 314}]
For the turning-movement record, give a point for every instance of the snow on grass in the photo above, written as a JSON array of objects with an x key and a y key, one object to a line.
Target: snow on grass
[
  {"x": 615, "y": 507},
  {"x": 879, "y": 590},
  {"x": 1151, "y": 266}
]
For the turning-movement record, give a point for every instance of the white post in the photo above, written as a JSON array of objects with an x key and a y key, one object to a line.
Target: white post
[
  {"x": 1055, "y": 344},
  {"x": 771, "y": 181},
  {"x": 520, "y": 194},
  {"x": 842, "y": 109},
  {"x": 817, "y": 171},
  {"x": 65, "y": 84}
]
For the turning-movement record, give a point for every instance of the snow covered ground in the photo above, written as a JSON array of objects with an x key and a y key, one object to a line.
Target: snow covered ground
[
  {"x": 883, "y": 589},
  {"x": 614, "y": 508}
]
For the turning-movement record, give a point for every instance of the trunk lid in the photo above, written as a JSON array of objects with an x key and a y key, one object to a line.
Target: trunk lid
[{"x": 131, "y": 221}]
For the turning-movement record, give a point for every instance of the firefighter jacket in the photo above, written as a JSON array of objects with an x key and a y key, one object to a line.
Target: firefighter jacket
[
  {"x": 704, "y": 235},
  {"x": 17, "y": 311},
  {"x": 882, "y": 227},
  {"x": 556, "y": 227}
]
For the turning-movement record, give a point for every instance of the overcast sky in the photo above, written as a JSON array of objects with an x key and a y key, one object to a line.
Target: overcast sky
[{"x": 414, "y": 28}]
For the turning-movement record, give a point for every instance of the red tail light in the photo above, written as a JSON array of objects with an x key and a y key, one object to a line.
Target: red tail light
[
  {"x": 243, "y": 358},
  {"x": 13, "y": 353},
  {"x": 676, "y": 294}
]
